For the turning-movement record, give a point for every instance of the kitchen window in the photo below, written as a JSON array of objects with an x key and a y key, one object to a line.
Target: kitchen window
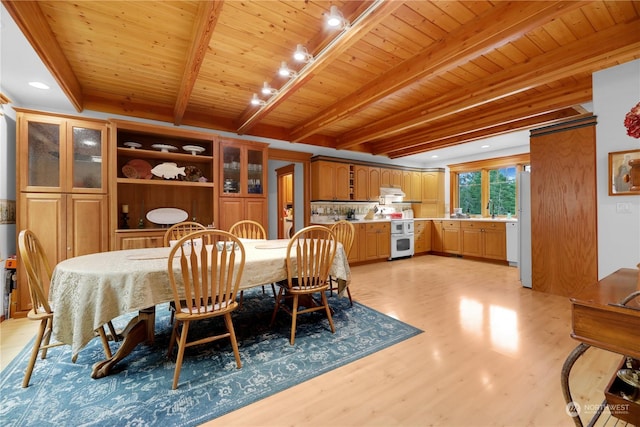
[
  {"x": 486, "y": 187},
  {"x": 502, "y": 191}
]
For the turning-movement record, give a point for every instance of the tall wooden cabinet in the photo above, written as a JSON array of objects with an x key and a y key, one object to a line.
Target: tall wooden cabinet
[
  {"x": 62, "y": 188},
  {"x": 243, "y": 180},
  {"x": 136, "y": 149},
  {"x": 564, "y": 237}
]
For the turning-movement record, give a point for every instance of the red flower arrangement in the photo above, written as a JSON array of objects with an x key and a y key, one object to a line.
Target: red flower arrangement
[{"x": 632, "y": 121}]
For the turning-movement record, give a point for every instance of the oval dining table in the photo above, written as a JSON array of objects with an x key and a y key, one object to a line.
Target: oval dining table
[{"x": 89, "y": 290}]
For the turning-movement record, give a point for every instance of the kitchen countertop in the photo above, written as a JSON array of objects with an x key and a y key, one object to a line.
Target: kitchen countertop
[{"x": 358, "y": 221}]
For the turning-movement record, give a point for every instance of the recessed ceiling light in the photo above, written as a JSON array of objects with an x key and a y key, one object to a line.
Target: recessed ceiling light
[
  {"x": 435, "y": 156},
  {"x": 485, "y": 146},
  {"x": 39, "y": 85}
]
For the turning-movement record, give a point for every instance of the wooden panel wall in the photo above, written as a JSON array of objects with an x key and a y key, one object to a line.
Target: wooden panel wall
[{"x": 564, "y": 245}]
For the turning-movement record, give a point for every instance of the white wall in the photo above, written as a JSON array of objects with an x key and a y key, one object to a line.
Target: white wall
[
  {"x": 615, "y": 91},
  {"x": 7, "y": 191}
]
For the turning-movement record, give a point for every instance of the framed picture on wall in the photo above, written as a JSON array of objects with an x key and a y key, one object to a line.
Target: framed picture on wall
[
  {"x": 624, "y": 173},
  {"x": 7, "y": 211}
]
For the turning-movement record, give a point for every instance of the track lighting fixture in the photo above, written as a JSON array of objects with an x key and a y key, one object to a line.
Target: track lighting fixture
[
  {"x": 302, "y": 54},
  {"x": 257, "y": 101},
  {"x": 285, "y": 71},
  {"x": 268, "y": 90},
  {"x": 335, "y": 19}
]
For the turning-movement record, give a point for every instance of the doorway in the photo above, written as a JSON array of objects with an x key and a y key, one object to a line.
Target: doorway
[{"x": 286, "y": 201}]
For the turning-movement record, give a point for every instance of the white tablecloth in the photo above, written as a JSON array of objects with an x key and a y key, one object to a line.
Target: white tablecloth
[{"x": 89, "y": 290}]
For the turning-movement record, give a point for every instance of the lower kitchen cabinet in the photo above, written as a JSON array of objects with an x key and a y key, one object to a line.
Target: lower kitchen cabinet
[
  {"x": 374, "y": 241},
  {"x": 451, "y": 238},
  {"x": 422, "y": 236},
  {"x": 484, "y": 239},
  {"x": 436, "y": 235}
]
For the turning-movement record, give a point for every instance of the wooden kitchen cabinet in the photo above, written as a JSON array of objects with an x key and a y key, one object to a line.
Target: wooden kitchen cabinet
[
  {"x": 330, "y": 181},
  {"x": 422, "y": 236},
  {"x": 432, "y": 186},
  {"x": 390, "y": 177},
  {"x": 375, "y": 243},
  {"x": 62, "y": 185},
  {"x": 366, "y": 186},
  {"x": 436, "y": 235},
  {"x": 451, "y": 237}
]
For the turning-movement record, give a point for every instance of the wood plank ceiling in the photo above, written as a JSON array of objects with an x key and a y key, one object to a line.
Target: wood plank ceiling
[{"x": 403, "y": 78}]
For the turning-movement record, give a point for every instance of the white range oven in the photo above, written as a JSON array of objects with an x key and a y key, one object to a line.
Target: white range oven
[{"x": 401, "y": 238}]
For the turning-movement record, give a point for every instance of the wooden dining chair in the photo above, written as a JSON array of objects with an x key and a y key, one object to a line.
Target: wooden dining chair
[
  {"x": 248, "y": 229},
  {"x": 38, "y": 270},
  {"x": 175, "y": 233},
  {"x": 310, "y": 253},
  {"x": 205, "y": 279},
  {"x": 181, "y": 229},
  {"x": 345, "y": 233}
]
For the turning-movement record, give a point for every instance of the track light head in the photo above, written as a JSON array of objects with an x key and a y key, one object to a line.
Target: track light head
[
  {"x": 257, "y": 101},
  {"x": 268, "y": 90},
  {"x": 302, "y": 54},
  {"x": 285, "y": 71},
  {"x": 335, "y": 19}
]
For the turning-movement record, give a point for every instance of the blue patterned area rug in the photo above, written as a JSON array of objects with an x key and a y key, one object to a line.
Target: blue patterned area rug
[{"x": 138, "y": 392}]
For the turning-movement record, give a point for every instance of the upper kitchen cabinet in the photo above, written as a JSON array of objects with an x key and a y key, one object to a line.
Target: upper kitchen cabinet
[
  {"x": 390, "y": 177},
  {"x": 60, "y": 154},
  {"x": 433, "y": 186},
  {"x": 412, "y": 185},
  {"x": 158, "y": 167},
  {"x": 243, "y": 182},
  {"x": 331, "y": 180},
  {"x": 366, "y": 185}
]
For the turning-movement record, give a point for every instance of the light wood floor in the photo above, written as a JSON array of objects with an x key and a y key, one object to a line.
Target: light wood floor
[{"x": 491, "y": 355}]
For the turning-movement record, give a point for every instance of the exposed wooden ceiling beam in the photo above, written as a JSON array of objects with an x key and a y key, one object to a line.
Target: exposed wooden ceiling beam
[
  {"x": 534, "y": 105},
  {"x": 505, "y": 22},
  {"x": 617, "y": 44},
  {"x": 207, "y": 16},
  {"x": 501, "y": 129},
  {"x": 34, "y": 25},
  {"x": 358, "y": 29}
]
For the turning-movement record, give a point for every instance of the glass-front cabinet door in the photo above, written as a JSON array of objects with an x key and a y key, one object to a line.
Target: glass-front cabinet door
[
  {"x": 231, "y": 179},
  {"x": 254, "y": 171},
  {"x": 42, "y": 158},
  {"x": 243, "y": 169},
  {"x": 61, "y": 155},
  {"x": 88, "y": 150}
]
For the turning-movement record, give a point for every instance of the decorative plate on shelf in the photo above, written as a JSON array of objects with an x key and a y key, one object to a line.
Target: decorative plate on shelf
[
  {"x": 193, "y": 149},
  {"x": 167, "y": 216},
  {"x": 132, "y": 145},
  {"x": 164, "y": 147},
  {"x": 137, "y": 169}
]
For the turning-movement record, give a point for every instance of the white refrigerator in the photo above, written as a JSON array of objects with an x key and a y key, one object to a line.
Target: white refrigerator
[{"x": 524, "y": 222}]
